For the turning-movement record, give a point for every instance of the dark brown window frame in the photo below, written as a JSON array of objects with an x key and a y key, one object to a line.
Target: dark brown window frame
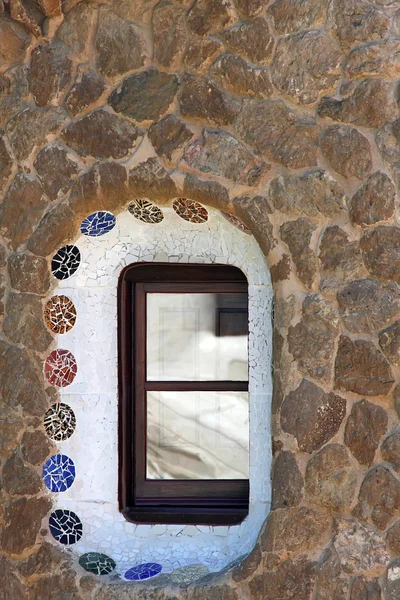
[{"x": 219, "y": 502}]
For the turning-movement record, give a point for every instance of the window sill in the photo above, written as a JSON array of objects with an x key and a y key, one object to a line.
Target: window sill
[{"x": 185, "y": 515}]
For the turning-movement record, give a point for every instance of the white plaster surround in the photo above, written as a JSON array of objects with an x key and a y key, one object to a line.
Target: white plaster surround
[{"x": 93, "y": 394}]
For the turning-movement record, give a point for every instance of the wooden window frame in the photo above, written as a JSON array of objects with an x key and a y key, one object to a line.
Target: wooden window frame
[{"x": 216, "y": 502}]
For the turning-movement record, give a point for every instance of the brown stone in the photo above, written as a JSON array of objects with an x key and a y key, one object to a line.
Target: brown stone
[
  {"x": 35, "y": 447},
  {"x": 248, "y": 566},
  {"x": 51, "y": 8},
  {"x": 370, "y": 105},
  {"x": 312, "y": 341},
  {"x": 250, "y": 8},
  {"x": 44, "y": 587},
  {"x": 102, "y": 135},
  {"x": 56, "y": 170},
  {"x": 145, "y": 96},
  {"x": 332, "y": 583},
  {"x": 253, "y": 39},
  {"x": 375, "y": 58},
  {"x": 347, "y": 150},
  {"x": 49, "y": 73},
  {"x": 390, "y": 450},
  {"x": 291, "y": 580},
  {"x": 13, "y": 92},
  {"x": 169, "y": 136},
  {"x": 209, "y": 16},
  {"x": 312, "y": 193},
  {"x": 367, "y": 305},
  {"x": 29, "y": 273},
  {"x": 389, "y": 341},
  {"x": 281, "y": 270},
  {"x": 30, "y": 127},
  {"x": 14, "y": 41},
  {"x": 47, "y": 557},
  {"x": 57, "y": 227},
  {"x": 75, "y": 30},
  {"x": 359, "y": 547},
  {"x": 219, "y": 153},
  {"x": 18, "y": 479},
  {"x": 361, "y": 368},
  {"x": 297, "y": 235},
  {"x": 10, "y": 585},
  {"x": 396, "y": 398},
  {"x": 240, "y": 78},
  {"x": 120, "y": 47},
  {"x": 393, "y": 538},
  {"x": 392, "y": 587},
  {"x": 379, "y": 497},
  {"x": 388, "y": 141},
  {"x": 330, "y": 478},
  {"x": 340, "y": 259},
  {"x": 210, "y": 193},
  {"x": 201, "y": 98},
  {"x": 21, "y": 209},
  {"x": 87, "y": 89},
  {"x": 306, "y": 64},
  {"x": 5, "y": 161},
  {"x": 201, "y": 53},
  {"x": 149, "y": 179},
  {"x": 364, "y": 589},
  {"x": 138, "y": 11},
  {"x": 11, "y": 426},
  {"x": 24, "y": 322},
  {"x": 381, "y": 252},
  {"x": 290, "y": 16},
  {"x": 373, "y": 201},
  {"x": 287, "y": 481},
  {"x": 253, "y": 211},
  {"x": 357, "y": 21},
  {"x": 22, "y": 522},
  {"x": 169, "y": 34},
  {"x": 113, "y": 189},
  {"x": 312, "y": 416},
  {"x": 283, "y": 135}
]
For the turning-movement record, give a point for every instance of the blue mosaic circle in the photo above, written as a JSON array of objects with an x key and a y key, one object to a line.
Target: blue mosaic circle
[
  {"x": 98, "y": 223},
  {"x": 65, "y": 526},
  {"x": 58, "y": 473},
  {"x": 144, "y": 571}
]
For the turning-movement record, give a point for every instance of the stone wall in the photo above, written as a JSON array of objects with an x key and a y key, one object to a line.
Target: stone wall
[{"x": 284, "y": 114}]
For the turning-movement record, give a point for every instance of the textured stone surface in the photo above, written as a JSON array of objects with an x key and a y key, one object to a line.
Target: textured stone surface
[
  {"x": 392, "y": 587},
  {"x": 253, "y": 211},
  {"x": 200, "y": 53},
  {"x": 57, "y": 227},
  {"x": 56, "y": 169},
  {"x": 74, "y": 31},
  {"x": 347, "y": 150},
  {"x": 364, "y": 589},
  {"x": 332, "y": 583},
  {"x": 364, "y": 428},
  {"x": 297, "y": 235},
  {"x": 14, "y": 40},
  {"x": 287, "y": 481},
  {"x": 306, "y": 64},
  {"x": 367, "y": 305},
  {"x": 290, "y": 16},
  {"x": 357, "y": 21},
  {"x": 247, "y": 567},
  {"x": 35, "y": 447},
  {"x": 389, "y": 341},
  {"x": 239, "y": 77},
  {"x": 381, "y": 252},
  {"x": 359, "y": 547},
  {"x": 291, "y": 580},
  {"x": 119, "y": 45},
  {"x": 5, "y": 162},
  {"x": 390, "y": 450},
  {"x": 281, "y": 270},
  {"x": 312, "y": 340},
  {"x": 22, "y": 521},
  {"x": 150, "y": 180},
  {"x": 169, "y": 34},
  {"x": 86, "y": 90},
  {"x": 393, "y": 538},
  {"x": 169, "y": 136},
  {"x": 13, "y": 92},
  {"x": 202, "y": 99},
  {"x": 376, "y": 58},
  {"x": 330, "y": 478},
  {"x": 388, "y": 141},
  {"x": 219, "y": 153},
  {"x": 50, "y": 72},
  {"x": 145, "y": 96},
  {"x": 24, "y": 321},
  {"x": 252, "y": 39},
  {"x": 9, "y": 582},
  {"x": 379, "y": 497},
  {"x": 279, "y": 132},
  {"x": 250, "y": 8},
  {"x": 19, "y": 479},
  {"x": 29, "y": 273},
  {"x": 340, "y": 259},
  {"x": 312, "y": 415},
  {"x": 373, "y": 201},
  {"x": 206, "y": 192},
  {"x": 370, "y": 105},
  {"x": 102, "y": 135},
  {"x": 208, "y": 16}
]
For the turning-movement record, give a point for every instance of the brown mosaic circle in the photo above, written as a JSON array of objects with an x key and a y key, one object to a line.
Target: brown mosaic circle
[
  {"x": 59, "y": 422},
  {"x": 236, "y": 222},
  {"x": 189, "y": 210},
  {"x": 60, "y": 314},
  {"x": 145, "y": 211}
]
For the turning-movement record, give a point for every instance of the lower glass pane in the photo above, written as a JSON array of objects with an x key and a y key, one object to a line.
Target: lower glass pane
[{"x": 197, "y": 435}]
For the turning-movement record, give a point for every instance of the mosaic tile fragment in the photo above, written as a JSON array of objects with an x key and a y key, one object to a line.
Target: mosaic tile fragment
[
  {"x": 236, "y": 222},
  {"x": 60, "y": 368},
  {"x": 144, "y": 571},
  {"x": 58, "y": 473},
  {"x": 145, "y": 211},
  {"x": 189, "y": 210},
  {"x": 59, "y": 422},
  {"x": 65, "y": 526},
  {"x": 65, "y": 262},
  {"x": 189, "y": 573},
  {"x": 97, "y": 563},
  {"x": 98, "y": 223},
  {"x": 60, "y": 314}
]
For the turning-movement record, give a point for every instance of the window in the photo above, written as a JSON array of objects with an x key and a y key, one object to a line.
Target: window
[{"x": 183, "y": 378}]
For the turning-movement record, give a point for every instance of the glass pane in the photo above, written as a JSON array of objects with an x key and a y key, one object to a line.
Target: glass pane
[
  {"x": 197, "y": 337},
  {"x": 197, "y": 435}
]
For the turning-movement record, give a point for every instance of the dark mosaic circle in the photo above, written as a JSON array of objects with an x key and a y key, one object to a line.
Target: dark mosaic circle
[
  {"x": 144, "y": 571},
  {"x": 98, "y": 223},
  {"x": 97, "y": 563},
  {"x": 65, "y": 262},
  {"x": 58, "y": 473},
  {"x": 59, "y": 422},
  {"x": 190, "y": 211},
  {"x": 65, "y": 526},
  {"x": 145, "y": 211}
]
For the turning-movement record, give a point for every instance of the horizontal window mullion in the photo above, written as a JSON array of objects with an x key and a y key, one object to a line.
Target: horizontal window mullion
[{"x": 196, "y": 386}]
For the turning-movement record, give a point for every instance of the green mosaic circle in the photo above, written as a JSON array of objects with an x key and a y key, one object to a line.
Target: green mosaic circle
[{"x": 99, "y": 564}]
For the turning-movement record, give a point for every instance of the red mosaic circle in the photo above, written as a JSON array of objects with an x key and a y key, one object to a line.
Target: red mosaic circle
[
  {"x": 60, "y": 368},
  {"x": 189, "y": 210}
]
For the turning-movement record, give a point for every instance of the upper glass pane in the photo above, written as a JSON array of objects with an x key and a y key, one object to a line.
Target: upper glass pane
[{"x": 197, "y": 337}]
